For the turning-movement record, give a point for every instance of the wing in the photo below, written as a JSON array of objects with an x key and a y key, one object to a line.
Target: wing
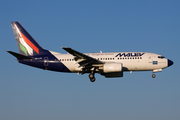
[{"x": 82, "y": 59}]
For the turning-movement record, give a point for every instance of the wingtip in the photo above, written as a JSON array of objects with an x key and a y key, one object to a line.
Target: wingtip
[{"x": 65, "y": 47}]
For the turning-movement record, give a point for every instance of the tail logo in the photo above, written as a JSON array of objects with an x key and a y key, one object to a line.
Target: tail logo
[{"x": 26, "y": 45}]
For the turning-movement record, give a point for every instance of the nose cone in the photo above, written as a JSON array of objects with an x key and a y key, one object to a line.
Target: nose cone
[{"x": 170, "y": 62}]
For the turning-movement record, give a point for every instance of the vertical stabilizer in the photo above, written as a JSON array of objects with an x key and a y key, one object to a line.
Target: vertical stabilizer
[{"x": 26, "y": 44}]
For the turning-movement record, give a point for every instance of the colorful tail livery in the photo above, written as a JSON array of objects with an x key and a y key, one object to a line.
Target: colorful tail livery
[
  {"x": 26, "y": 44},
  {"x": 107, "y": 64}
]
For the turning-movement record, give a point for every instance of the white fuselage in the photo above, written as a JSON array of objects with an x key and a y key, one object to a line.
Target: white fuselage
[{"x": 131, "y": 61}]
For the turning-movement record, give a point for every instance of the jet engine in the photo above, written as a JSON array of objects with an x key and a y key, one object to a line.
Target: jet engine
[
  {"x": 112, "y": 70},
  {"x": 112, "y": 67}
]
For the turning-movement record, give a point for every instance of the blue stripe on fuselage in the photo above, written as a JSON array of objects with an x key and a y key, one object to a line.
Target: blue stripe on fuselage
[{"x": 46, "y": 61}]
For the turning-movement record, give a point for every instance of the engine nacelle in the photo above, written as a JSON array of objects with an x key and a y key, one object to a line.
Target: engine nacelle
[
  {"x": 112, "y": 67},
  {"x": 112, "y": 75}
]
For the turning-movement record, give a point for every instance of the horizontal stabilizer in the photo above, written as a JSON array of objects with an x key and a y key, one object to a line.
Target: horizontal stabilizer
[{"x": 19, "y": 56}]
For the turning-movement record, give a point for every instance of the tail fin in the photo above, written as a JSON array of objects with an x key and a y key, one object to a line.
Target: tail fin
[{"x": 26, "y": 44}]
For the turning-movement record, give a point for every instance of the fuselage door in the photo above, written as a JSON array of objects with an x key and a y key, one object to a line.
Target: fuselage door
[
  {"x": 150, "y": 58},
  {"x": 46, "y": 61}
]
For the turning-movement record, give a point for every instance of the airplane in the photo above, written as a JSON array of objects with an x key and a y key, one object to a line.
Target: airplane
[{"x": 110, "y": 65}]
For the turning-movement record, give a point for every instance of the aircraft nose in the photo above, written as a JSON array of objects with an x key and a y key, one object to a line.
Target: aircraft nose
[{"x": 170, "y": 62}]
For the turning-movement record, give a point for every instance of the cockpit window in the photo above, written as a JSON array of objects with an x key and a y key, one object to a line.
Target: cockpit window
[{"x": 161, "y": 57}]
